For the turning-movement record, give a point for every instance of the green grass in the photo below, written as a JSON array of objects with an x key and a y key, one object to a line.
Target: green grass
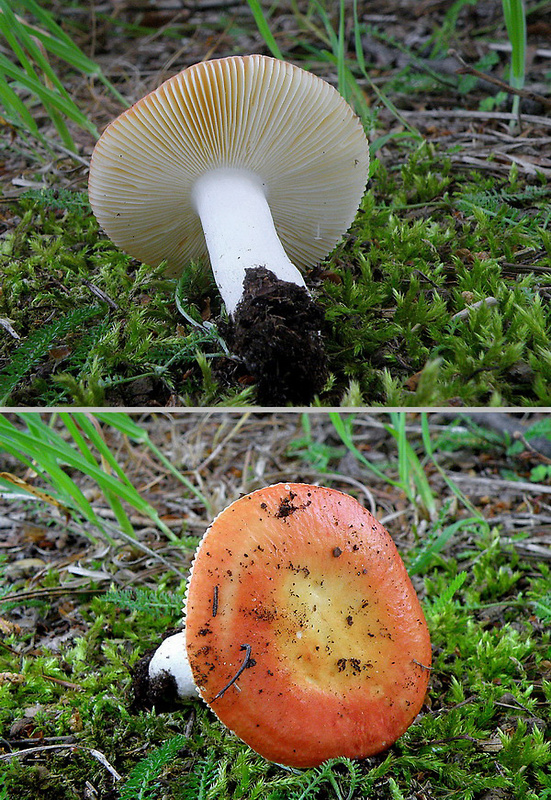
[
  {"x": 515, "y": 21},
  {"x": 82, "y": 447},
  {"x": 33, "y": 36}
]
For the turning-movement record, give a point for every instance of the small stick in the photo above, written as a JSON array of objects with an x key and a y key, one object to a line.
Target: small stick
[
  {"x": 429, "y": 669},
  {"x": 245, "y": 663},
  {"x": 95, "y": 753},
  {"x": 215, "y": 602},
  {"x": 467, "y": 69},
  {"x": 487, "y": 301},
  {"x": 99, "y": 293}
]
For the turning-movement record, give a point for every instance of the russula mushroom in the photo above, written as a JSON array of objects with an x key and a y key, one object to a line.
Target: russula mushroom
[
  {"x": 303, "y": 631},
  {"x": 262, "y": 166}
]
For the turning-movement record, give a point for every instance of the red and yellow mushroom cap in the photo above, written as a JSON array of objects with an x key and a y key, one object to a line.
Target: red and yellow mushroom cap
[{"x": 303, "y": 630}]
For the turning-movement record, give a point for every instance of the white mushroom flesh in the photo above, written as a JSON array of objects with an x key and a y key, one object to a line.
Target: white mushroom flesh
[
  {"x": 239, "y": 231},
  {"x": 171, "y": 658}
]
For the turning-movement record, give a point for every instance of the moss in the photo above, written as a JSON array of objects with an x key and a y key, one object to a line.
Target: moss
[{"x": 438, "y": 296}]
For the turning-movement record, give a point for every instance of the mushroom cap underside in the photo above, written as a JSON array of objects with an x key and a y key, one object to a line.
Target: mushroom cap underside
[
  {"x": 299, "y": 592},
  {"x": 290, "y": 128}
]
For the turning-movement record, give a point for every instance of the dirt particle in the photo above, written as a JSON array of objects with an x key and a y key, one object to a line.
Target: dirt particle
[
  {"x": 356, "y": 665},
  {"x": 286, "y": 507}
]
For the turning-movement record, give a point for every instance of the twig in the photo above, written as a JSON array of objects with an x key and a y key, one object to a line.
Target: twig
[
  {"x": 54, "y": 591},
  {"x": 100, "y": 294},
  {"x": 482, "y": 485},
  {"x": 465, "y": 312},
  {"x": 144, "y": 548},
  {"x": 6, "y": 324},
  {"x": 95, "y": 753},
  {"x": 508, "y": 424},
  {"x": 245, "y": 664},
  {"x": 468, "y": 70},
  {"x": 463, "y": 113}
]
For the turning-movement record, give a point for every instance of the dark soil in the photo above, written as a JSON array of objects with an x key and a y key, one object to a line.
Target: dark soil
[
  {"x": 276, "y": 332},
  {"x": 160, "y": 693}
]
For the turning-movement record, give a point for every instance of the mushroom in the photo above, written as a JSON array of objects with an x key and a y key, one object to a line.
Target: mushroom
[
  {"x": 303, "y": 631},
  {"x": 262, "y": 166},
  {"x": 171, "y": 658}
]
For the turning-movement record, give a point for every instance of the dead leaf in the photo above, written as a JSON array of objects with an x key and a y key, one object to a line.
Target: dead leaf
[
  {"x": 8, "y": 627},
  {"x": 28, "y": 487},
  {"x": 11, "y": 677}
]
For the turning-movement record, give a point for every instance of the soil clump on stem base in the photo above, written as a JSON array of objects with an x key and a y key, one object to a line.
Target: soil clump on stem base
[{"x": 276, "y": 331}]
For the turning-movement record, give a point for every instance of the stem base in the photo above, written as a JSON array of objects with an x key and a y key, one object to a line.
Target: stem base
[{"x": 275, "y": 330}]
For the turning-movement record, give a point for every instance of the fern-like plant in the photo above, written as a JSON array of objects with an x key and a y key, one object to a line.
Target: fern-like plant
[
  {"x": 37, "y": 346},
  {"x": 146, "y": 601},
  {"x": 201, "y": 779},
  {"x": 142, "y": 781}
]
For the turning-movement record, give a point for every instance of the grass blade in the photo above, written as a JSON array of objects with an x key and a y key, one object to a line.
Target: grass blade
[
  {"x": 30, "y": 44},
  {"x": 264, "y": 28},
  {"x": 515, "y": 22},
  {"x": 425, "y": 430},
  {"x": 126, "y": 425},
  {"x": 108, "y": 462},
  {"x": 434, "y": 544},
  {"x": 410, "y": 469},
  {"x": 344, "y": 431},
  {"x": 46, "y": 448}
]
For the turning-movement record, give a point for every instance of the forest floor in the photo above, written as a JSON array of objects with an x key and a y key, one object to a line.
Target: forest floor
[
  {"x": 467, "y": 502},
  {"x": 437, "y": 296}
]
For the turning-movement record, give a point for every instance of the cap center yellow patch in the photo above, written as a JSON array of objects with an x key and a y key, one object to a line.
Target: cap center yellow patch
[{"x": 328, "y": 630}]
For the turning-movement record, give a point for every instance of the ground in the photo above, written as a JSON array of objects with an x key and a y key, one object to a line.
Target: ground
[{"x": 84, "y": 597}]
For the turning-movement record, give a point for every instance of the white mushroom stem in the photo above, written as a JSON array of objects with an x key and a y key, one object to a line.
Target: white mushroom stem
[
  {"x": 239, "y": 231},
  {"x": 171, "y": 657}
]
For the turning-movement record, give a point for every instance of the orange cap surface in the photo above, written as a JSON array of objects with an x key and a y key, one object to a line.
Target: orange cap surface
[{"x": 300, "y": 592}]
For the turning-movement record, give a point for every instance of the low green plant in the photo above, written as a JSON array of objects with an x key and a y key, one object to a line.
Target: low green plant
[
  {"x": 146, "y": 600},
  {"x": 141, "y": 783},
  {"x": 37, "y": 445},
  {"x": 31, "y": 43},
  {"x": 201, "y": 781},
  {"x": 37, "y": 346},
  {"x": 317, "y": 454}
]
